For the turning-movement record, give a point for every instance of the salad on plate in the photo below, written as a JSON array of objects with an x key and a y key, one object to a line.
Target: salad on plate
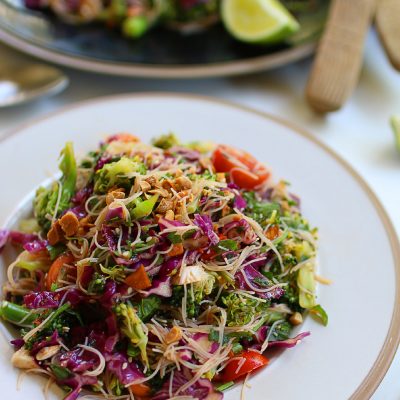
[{"x": 162, "y": 271}]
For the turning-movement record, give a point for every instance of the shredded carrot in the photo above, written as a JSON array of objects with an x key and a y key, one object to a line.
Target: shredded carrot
[
  {"x": 139, "y": 279},
  {"x": 176, "y": 250},
  {"x": 55, "y": 269},
  {"x": 272, "y": 232},
  {"x": 141, "y": 390}
]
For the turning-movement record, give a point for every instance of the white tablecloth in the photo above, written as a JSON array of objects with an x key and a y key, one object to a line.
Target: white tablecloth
[{"x": 360, "y": 132}]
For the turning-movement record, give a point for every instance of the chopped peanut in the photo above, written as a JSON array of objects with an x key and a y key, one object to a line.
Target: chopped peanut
[
  {"x": 182, "y": 183},
  {"x": 55, "y": 234},
  {"x": 84, "y": 226},
  {"x": 296, "y": 319},
  {"x": 183, "y": 193},
  {"x": 114, "y": 194},
  {"x": 69, "y": 223},
  {"x": 178, "y": 217},
  {"x": 47, "y": 352},
  {"x": 174, "y": 335},
  {"x": 152, "y": 180},
  {"x": 165, "y": 205},
  {"x": 169, "y": 215},
  {"x": 22, "y": 359},
  {"x": 178, "y": 172},
  {"x": 161, "y": 191},
  {"x": 167, "y": 184},
  {"x": 145, "y": 186}
]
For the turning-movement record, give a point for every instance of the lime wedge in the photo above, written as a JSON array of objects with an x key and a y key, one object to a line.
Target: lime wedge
[
  {"x": 395, "y": 122},
  {"x": 258, "y": 21}
]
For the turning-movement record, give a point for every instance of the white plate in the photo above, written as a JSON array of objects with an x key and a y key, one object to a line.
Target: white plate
[{"x": 359, "y": 250}]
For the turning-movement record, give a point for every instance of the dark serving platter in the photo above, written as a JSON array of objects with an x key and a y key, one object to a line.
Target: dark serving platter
[{"x": 160, "y": 53}]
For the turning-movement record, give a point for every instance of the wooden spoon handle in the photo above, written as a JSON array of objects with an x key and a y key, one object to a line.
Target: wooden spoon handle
[
  {"x": 387, "y": 21},
  {"x": 339, "y": 56}
]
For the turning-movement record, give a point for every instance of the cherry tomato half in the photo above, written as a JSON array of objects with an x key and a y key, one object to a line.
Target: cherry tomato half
[
  {"x": 243, "y": 168},
  {"x": 237, "y": 368}
]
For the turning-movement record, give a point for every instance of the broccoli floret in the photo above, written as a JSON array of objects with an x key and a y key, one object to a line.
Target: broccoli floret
[
  {"x": 241, "y": 309},
  {"x": 97, "y": 284},
  {"x": 192, "y": 307},
  {"x": 114, "y": 174},
  {"x": 203, "y": 288},
  {"x": 166, "y": 141},
  {"x": 132, "y": 328}
]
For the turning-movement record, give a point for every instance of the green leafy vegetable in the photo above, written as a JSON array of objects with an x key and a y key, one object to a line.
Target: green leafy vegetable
[
  {"x": 192, "y": 307},
  {"x": 260, "y": 210},
  {"x": 46, "y": 200},
  {"x": 55, "y": 251},
  {"x": 148, "y": 307},
  {"x": 226, "y": 245},
  {"x": 281, "y": 331},
  {"x": 144, "y": 208},
  {"x": 60, "y": 373},
  {"x": 318, "y": 313},
  {"x": 174, "y": 238}
]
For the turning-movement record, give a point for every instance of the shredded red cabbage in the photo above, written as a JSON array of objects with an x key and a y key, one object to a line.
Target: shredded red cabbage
[
  {"x": 47, "y": 299},
  {"x": 161, "y": 287},
  {"x": 22, "y": 238},
  {"x": 126, "y": 372},
  {"x": 36, "y": 246},
  {"x": 42, "y": 300},
  {"x": 46, "y": 342},
  {"x": 253, "y": 276},
  {"x": 204, "y": 222},
  {"x": 191, "y": 155},
  {"x": 203, "y": 389},
  {"x": 76, "y": 382},
  {"x": 164, "y": 223},
  {"x": 117, "y": 212}
]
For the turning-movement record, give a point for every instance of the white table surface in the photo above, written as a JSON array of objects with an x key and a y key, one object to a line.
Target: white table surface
[{"x": 360, "y": 132}]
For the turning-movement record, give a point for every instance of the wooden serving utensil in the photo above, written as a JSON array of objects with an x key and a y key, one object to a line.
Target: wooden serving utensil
[
  {"x": 387, "y": 20},
  {"x": 337, "y": 65}
]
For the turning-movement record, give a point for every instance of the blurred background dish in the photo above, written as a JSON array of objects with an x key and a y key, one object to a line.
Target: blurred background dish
[{"x": 161, "y": 52}]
